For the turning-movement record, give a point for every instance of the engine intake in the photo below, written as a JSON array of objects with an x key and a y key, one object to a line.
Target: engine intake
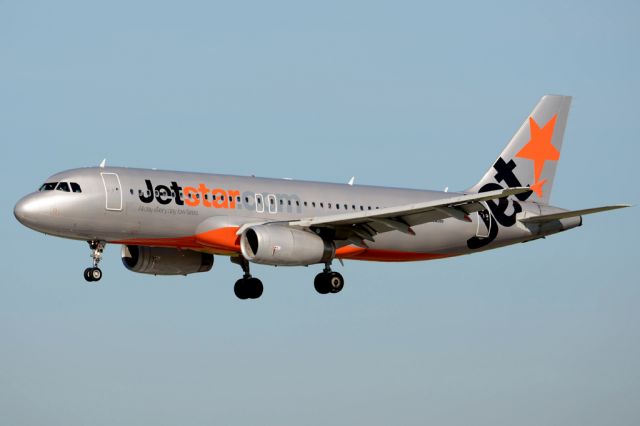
[
  {"x": 165, "y": 260},
  {"x": 283, "y": 246}
]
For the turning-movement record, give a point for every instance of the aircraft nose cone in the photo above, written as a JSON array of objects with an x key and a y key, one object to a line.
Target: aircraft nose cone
[{"x": 25, "y": 210}]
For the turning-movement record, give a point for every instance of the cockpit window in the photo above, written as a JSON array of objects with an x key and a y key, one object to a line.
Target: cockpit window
[
  {"x": 63, "y": 186},
  {"x": 49, "y": 186},
  {"x": 75, "y": 187}
]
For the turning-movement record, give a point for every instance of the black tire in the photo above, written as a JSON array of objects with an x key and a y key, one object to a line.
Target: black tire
[
  {"x": 96, "y": 274},
  {"x": 241, "y": 289},
  {"x": 256, "y": 288},
  {"x": 87, "y": 275},
  {"x": 335, "y": 282},
  {"x": 321, "y": 283}
]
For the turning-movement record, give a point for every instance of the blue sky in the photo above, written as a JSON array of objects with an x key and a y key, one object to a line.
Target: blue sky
[{"x": 408, "y": 94}]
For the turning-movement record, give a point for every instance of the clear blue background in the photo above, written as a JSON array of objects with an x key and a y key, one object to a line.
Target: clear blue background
[{"x": 414, "y": 94}]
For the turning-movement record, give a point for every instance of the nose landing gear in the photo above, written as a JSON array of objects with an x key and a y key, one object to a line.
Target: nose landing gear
[{"x": 94, "y": 274}]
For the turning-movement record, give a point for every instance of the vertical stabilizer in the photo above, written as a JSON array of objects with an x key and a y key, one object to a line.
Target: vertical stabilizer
[{"x": 532, "y": 155}]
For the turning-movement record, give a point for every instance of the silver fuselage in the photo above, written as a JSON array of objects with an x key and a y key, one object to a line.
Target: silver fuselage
[{"x": 161, "y": 208}]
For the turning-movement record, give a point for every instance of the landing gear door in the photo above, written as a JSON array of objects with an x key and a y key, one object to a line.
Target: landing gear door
[
  {"x": 484, "y": 223},
  {"x": 113, "y": 191}
]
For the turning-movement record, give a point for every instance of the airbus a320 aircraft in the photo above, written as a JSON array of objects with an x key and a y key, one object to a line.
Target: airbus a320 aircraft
[{"x": 173, "y": 223}]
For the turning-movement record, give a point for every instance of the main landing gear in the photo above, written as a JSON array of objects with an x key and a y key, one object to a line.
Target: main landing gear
[
  {"x": 247, "y": 287},
  {"x": 328, "y": 281},
  {"x": 95, "y": 273}
]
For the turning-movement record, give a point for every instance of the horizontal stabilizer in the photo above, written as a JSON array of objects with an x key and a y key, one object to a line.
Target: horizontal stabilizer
[{"x": 573, "y": 213}]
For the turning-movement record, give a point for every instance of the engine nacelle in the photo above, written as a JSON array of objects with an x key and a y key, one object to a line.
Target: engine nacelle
[
  {"x": 283, "y": 246},
  {"x": 165, "y": 260}
]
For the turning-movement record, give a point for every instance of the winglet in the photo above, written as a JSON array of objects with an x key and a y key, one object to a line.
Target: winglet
[
  {"x": 353, "y": 178},
  {"x": 102, "y": 163}
]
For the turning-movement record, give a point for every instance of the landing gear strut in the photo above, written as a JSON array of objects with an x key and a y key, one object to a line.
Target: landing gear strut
[
  {"x": 328, "y": 281},
  {"x": 95, "y": 273},
  {"x": 246, "y": 287}
]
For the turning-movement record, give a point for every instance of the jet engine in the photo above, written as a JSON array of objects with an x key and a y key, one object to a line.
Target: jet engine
[
  {"x": 279, "y": 245},
  {"x": 165, "y": 260}
]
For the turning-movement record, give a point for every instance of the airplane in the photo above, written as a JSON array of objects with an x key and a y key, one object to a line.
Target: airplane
[{"x": 173, "y": 223}]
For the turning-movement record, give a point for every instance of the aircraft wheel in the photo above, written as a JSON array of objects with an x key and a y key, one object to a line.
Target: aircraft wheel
[
  {"x": 241, "y": 290},
  {"x": 256, "y": 288},
  {"x": 87, "y": 275},
  {"x": 321, "y": 283},
  {"x": 335, "y": 282},
  {"x": 95, "y": 273}
]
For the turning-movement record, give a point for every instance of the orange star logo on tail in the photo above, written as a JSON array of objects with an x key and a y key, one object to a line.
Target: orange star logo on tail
[{"x": 540, "y": 149}]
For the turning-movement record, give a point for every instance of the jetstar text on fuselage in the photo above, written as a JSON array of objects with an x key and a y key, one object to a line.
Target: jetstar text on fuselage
[{"x": 193, "y": 196}]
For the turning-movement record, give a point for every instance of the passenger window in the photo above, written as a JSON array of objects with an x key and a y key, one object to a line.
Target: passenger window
[
  {"x": 338, "y": 206},
  {"x": 289, "y": 202},
  {"x": 246, "y": 199},
  {"x": 63, "y": 186},
  {"x": 305, "y": 204},
  {"x": 281, "y": 201},
  {"x": 75, "y": 187},
  {"x": 353, "y": 206},
  {"x": 298, "y": 203},
  {"x": 361, "y": 208},
  {"x": 238, "y": 199},
  {"x": 50, "y": 186},
  {"x": 322, "y": 205},
  {"x": 328, "y": 205},
  {"x": 369, "y": 208},
  {"x": 313, "y": 204},
  {"x": 130, "y": 190}
]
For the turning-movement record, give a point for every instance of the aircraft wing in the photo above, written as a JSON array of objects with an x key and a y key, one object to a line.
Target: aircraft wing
[{"x": 363, "y": 225}]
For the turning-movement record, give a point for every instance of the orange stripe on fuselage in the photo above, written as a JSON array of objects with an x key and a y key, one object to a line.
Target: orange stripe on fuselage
[
  {"x": 224, "y": 241},
  {"x": 221, "y": 238},
  {"x": 376, "y": 255}
]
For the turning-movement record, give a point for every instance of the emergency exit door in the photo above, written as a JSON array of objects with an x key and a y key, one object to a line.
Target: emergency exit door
[{"x": 113, "y": 191}]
